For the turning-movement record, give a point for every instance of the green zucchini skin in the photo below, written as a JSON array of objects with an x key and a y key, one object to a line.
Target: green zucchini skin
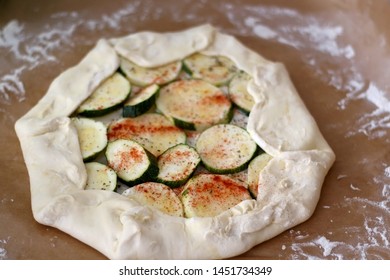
[
  {"x": 149, "y": 175},
  {"x": 255, "y": 167},
  {"x": 108, "y": 97},
  {"x": 194, "y": 104},
  {"x": 139, "y": 109},
  {"x": 183, "y": 159},
  {"x": 217, "y": 70},
  {"x": 153, "y": 131},
  {"x": 100, "y": 113},
  {"x": 239, "y": 94},
  {"x": 92, "y": 137},
  {"x": 133, "y": 107},
  {"x": 141, "y": 76},
  {"x": 184, "y": 125},
  {"x": 226, "y": 148},
  {"x": 125, "y": 156},
  {"x": 152, "y": 125}
]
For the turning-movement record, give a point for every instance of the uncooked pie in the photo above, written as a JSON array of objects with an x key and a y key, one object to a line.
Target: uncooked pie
[{"x": 176, "y": 145}]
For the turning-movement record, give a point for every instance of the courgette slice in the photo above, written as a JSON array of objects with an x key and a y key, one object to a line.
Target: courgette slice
[
  {"x": 131, "y": 162},
  {"x": 177, "y": 164},
  {"x": 194, "y": 104},
  {"x": 153, "y": 131},
  {"x": 142, "y": 77},
  {"x": 92, "y": 137},
  {"x": 217, "y": 70},
  {"x": 254, "y": 169},
  {"x": 225, "y": 148},
  {"x": 207, "y": 195},
  {"x": 140, "y": 102},
  {"x": 100, "y": 177},
  {"x": 239, "y": 94},
  {"x": 158, "y": 196},
  {"x": 107, "y": 97}
]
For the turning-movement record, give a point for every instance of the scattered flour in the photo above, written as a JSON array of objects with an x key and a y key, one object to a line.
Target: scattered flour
[
  {"x": 319, "y": 37},
  {"x": 3, "y": 251},
  {"x": 342, "y": 176},
  {"x": 324, "y": 38},
  {"x": 387, "y": 173},
  {"x": 3, "y": 254},
  {"x": 370, "y": 241},
  {"x": 326, "y": 245},
  {"x": 354, "y": 188},
  {"x": 27, "y": 51},
  {"x": 374, "y": 124}
]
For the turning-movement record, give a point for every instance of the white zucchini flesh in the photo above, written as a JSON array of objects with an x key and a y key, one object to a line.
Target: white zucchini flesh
[
  {"x": 225, "y": 148},
  {"x": 238, "y": 92},
  {"x": 92, "y": 137},
  {"x": 100, "y": 177},
  {"x": 158, "y": 196},
  {"x": 254, "y": 169},
  {"x": 177, "y": 164},
  {"x": 142, "y": 77},
  {"x": 217, "y": 70},
  {"x": 107, "y": 97},
  {"x": 195, "y": 103},
  {"x": 208, "y": 195},
  {"x": 152, "y": 130},
  {"x": 131, "y": 161}
]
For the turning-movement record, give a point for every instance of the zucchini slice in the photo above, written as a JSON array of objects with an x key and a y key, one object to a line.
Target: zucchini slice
[
  {"x": 239, "y": 94},
  {"x": 142, "y": 77},
  {"x": 254, "y": 169},
  {"x": 177, "y": 164},
  {"x": 194, "y": 104},
  {"x": 217, "y": 70},
  {"x": 153, "y": 131},
  {"x": 140, "y": 102},
  {"x": 92, "y": 137},
  {"x": 207, "y": 195},
  {"x": 131, "y": 162},
  {"x": 100, "y": 177},
  {"x": 158, "y": 196},
  {"x": 225, "y": 148},
  {"x": 107, "y": 97}
]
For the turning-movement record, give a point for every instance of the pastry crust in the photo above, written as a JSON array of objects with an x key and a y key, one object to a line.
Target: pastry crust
[{"x": 121, "y": 228}]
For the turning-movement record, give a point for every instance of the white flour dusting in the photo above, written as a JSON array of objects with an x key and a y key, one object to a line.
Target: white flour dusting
[
  {"x": 260, "y": 30},
  {"x": 354, "y": 187},
  {"x": 387, "y": 171},
  {"x": 27, "y": 51},
  {"x": 3, "y": 254},
  {"x": 325, "y": 38},
  {"x": 372, "y": 238},
  {"x": 3, "y": 251},
  {"x": 12, "y": 84},
  {"x": 319, "y": 37}
]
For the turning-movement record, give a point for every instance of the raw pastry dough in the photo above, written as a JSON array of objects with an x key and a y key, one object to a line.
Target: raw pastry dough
[{"x": 123, "y": 229}]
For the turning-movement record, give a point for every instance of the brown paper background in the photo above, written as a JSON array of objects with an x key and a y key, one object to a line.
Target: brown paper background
[{"x": 337, "y": 53}]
